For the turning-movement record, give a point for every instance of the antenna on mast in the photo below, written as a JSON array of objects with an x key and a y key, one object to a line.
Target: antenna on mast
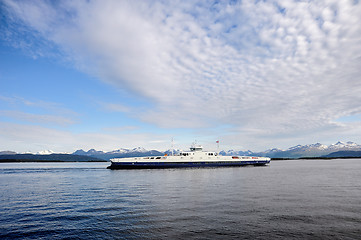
[{"x": 172, "y": 146}]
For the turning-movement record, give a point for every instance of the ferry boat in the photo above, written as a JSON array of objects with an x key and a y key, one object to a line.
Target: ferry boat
[{"x": 196, "y": 157}]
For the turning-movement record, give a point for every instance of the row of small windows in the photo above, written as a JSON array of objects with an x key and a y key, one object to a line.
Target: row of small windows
[
  {"x": 151, "y": 158},
  {"x": 186, "y": 154}
]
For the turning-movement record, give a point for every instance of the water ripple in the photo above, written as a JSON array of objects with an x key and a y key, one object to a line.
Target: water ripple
[{"x": 291, "y": 199}]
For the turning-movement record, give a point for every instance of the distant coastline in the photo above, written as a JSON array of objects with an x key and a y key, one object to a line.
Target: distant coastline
[
  {"x": 47, "y": 158},
  {"x": 40, "y": 161},
  {"x": 307, "y": 152},
  {"x": 18, "y": 158},
  {"x": 313, "y": 158}
]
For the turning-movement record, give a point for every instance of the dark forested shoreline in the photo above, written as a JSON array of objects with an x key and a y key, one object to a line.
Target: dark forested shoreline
[{"x": 48, "y": 158}]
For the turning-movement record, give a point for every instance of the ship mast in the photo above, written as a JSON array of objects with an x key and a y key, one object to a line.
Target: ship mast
[{"x": 172, "y": 146}]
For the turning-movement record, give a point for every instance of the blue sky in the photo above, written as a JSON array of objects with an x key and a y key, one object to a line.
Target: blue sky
[{"x": 122, "y": 74}]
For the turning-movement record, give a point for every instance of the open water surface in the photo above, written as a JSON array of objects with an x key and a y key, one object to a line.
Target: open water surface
[{"x": 313, "y": 199}]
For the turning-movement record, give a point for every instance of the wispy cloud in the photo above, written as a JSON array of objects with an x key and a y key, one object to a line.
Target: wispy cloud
[
  {"x": 36, "y": 111},
  {"x": 38, "y": 118},
  {"x": 114, "y": 107},
  {"x": 266, "y": 67},
  {"x": 35, "y": 138}
]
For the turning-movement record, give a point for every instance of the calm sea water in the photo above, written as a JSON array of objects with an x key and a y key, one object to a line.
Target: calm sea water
[{"x": 318, "y": 199}]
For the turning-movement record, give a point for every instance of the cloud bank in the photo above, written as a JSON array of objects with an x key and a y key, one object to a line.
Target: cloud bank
[{"x": 266, "y": 69}]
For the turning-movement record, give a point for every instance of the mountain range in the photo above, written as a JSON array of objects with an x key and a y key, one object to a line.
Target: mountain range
[
  {"x": 339, "y": 149},
  {"x": 120, "y": 153},
  {"x": 300, "y": 151},
  {"x": 311, "y": 150}
]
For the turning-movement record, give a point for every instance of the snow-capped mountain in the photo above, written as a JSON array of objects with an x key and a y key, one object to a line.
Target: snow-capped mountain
[
  {"x": 298, "y": 151},
  {"x": 139, "y": 149},
  {"x": 344, "y": 146},
  {"x": 311, "y": 150},
  {"x": 90, "y": 152},
  {"x": 119, "y": 151},
  {"x": 48, "y": 152},
  {"x": 44, "y": 152},
  {"x": 273, "y": 150},
  {"x": 7, "y": 153},
  {"x": 175, "y": 151},
  {"x": 122, "y": 152},
  {"x": 235, "y": 153}
]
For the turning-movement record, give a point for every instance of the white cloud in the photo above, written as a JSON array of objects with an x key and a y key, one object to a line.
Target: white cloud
[
  {"x": 31, "y": 138},
  {"x": 281, "y": 67},
  {"x": 36, "y": 111},
  {"x": 37, "y": 118},
  {"x": 114, "y": 107}
]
